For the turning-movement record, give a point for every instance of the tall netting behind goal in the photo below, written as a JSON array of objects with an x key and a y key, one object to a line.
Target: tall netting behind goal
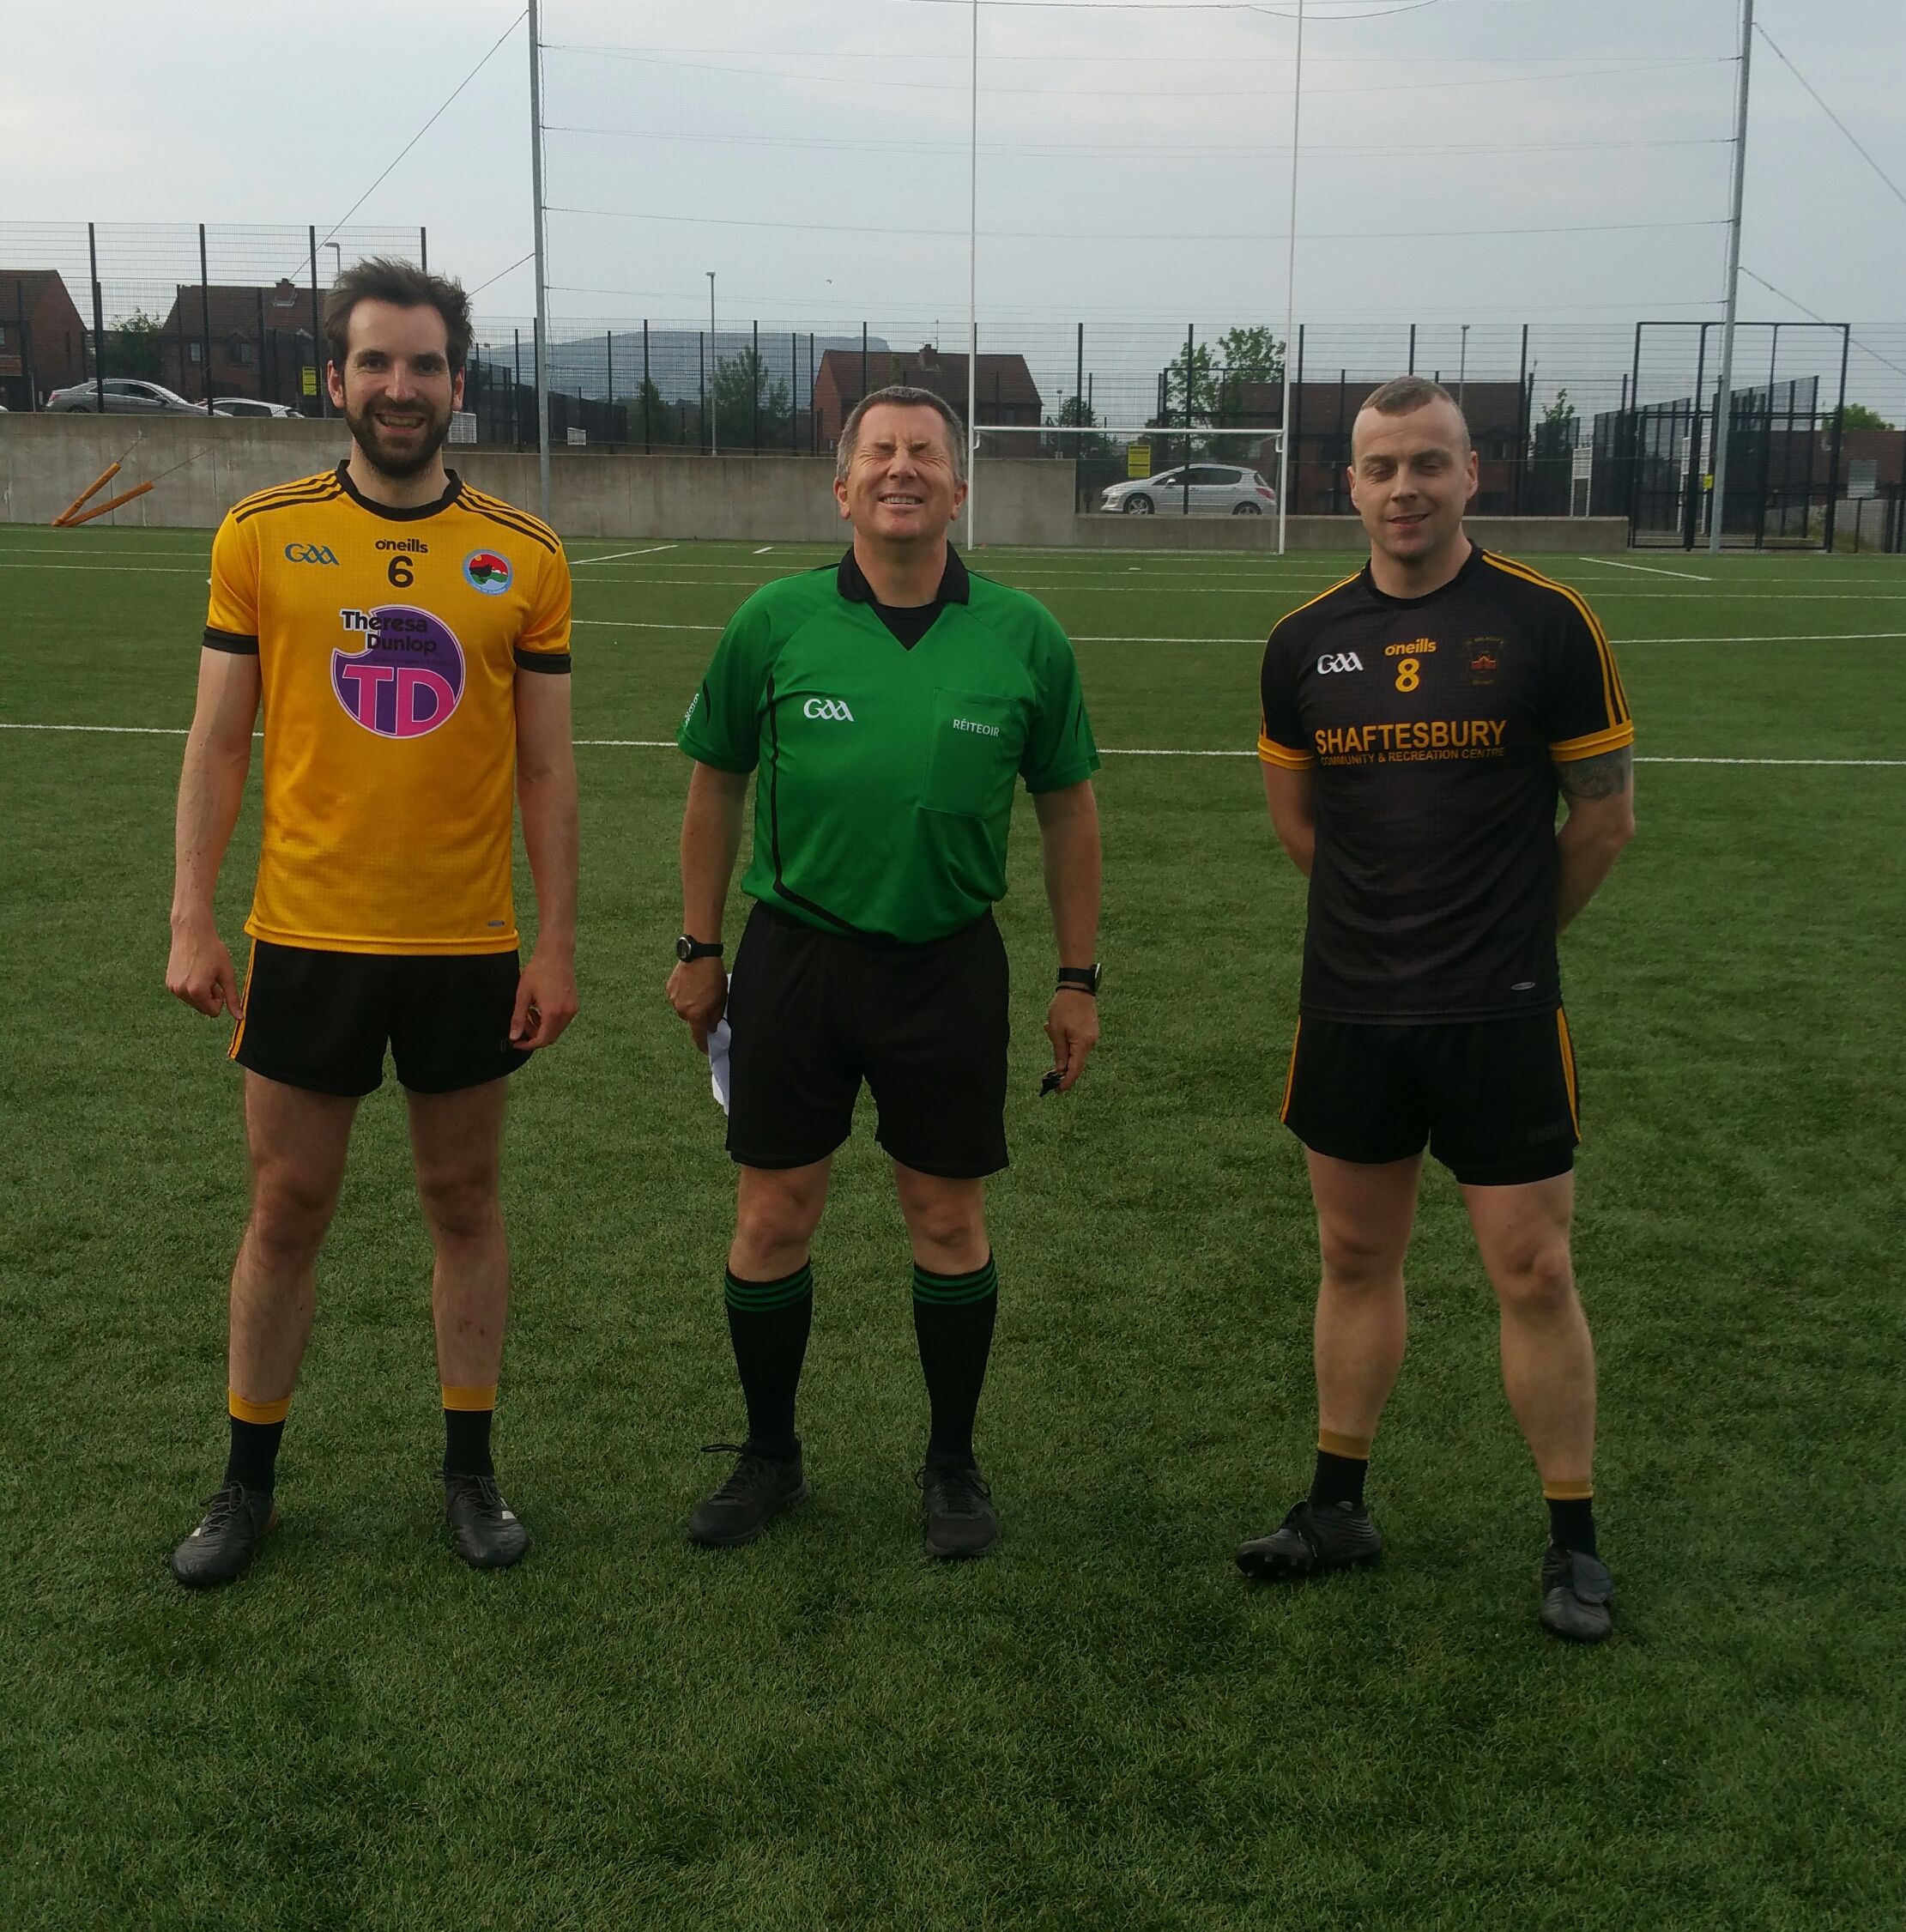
[{"x": 1142, "y": 470}]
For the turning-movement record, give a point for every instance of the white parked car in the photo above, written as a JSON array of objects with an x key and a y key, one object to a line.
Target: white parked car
[
  {"x": 1214, "y": 489},
  {"x": 249, "y": 406}
]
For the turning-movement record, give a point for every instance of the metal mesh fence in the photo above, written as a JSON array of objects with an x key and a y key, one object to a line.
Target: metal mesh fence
[
  {"x": 201, "y": 312},
  {"x": 1568, "y": 414}
]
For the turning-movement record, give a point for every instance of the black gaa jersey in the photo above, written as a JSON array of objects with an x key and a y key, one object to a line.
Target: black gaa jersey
[{"x": 1433, "y": 725}]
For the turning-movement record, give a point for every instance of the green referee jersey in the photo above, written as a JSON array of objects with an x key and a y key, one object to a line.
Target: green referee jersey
[{"x": 884, "y": 791}]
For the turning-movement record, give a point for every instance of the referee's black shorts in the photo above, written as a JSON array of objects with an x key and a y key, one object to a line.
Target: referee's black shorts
[
  {"x": 1494, "y": 1100},
  {"x": 813, "y": 1013}
]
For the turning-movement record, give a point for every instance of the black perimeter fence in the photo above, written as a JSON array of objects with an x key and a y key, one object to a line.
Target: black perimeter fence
[{"x": 1567, "y": 419}]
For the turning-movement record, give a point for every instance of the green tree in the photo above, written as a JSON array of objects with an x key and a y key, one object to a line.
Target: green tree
[
  {"x": 1198, "y": 375},
  {"x": 1560, "y": 410},
  {"x": 1857, "y": 416},
  {"x": 1075, "y": 413},
  {"x": 668, "y": 426},
  {"x": 135, "y": 350},
  {"x": 739, "y": 380},
  {"x": 1255, "y": 354}
]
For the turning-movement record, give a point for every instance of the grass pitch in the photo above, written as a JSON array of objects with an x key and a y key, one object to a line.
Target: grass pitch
[{"x": 1104, "y": 1726}]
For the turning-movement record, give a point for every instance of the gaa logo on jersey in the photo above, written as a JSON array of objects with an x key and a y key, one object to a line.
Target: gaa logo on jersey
[
  {"x": 488, "y": 572},
  {"x": 406, "y": 678}
]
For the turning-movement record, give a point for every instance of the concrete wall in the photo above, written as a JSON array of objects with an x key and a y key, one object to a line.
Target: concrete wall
[{"x": 46, "y": 461}]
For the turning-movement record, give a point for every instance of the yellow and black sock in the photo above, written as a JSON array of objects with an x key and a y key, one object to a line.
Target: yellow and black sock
[
  {"x": 952, "y": 1322},
  {"x": 1571, "y": 1515},
  {"x": 257, "y": 1429},
  {"x": 467, "y": 1413},
  {"x": 1342, "y": 1463},
  {"x": 768, "y": 1323}
]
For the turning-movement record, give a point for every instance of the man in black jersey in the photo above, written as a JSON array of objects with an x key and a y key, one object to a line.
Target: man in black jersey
[{"x": 1419, "y": 721}]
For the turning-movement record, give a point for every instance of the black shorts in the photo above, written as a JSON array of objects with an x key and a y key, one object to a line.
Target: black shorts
[
  {"x": 1495, "y": 1099},
  {"x": 321, "y": 1021},
  {"x": 813, "y": 1013}
]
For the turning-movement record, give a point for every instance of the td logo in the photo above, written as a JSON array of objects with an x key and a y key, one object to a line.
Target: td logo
[{"x": 407, "y": 678}]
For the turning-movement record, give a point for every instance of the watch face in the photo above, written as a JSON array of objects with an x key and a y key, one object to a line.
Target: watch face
[{"x": 683, "y": 946}]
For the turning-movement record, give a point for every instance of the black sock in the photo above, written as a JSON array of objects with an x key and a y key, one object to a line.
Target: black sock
[
  {"x": 953, "y": 1321},
  {"x": 467, "y": 1442},
  {"x": 1339, "y": 1479},
  {"x": 767, "y": 1325},
  {"x": 1572, "y": 1524},
  {"x": 252, "y": 1458}
]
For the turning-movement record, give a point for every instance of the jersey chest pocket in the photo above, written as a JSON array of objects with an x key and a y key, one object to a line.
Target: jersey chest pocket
[{"x": 975, "y": 755}]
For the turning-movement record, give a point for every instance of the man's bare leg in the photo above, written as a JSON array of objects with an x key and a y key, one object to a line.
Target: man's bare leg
[
  {"x": 457, "y": 1143},
  {"x": 1549, "y": 1375},
  {"x": 1365, "y": 1213},
  {"x": 1548, "y": 1357},
  {"x": 296, "y": 1142}
]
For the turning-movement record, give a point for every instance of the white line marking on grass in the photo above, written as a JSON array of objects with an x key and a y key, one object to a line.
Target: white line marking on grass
[
  {"x": 634, "y": 624},
  {"x": 610, "y": 556},
  {"x": 135, "y": 570},
  {"x": 1653, "y": 570},
  {"x": 1109, "y": 751},
  {"x": 764, "y": 550},
  {"x": 133, "y": 730}
]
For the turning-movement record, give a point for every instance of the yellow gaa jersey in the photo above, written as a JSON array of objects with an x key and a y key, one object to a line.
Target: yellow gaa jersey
[{"x": 389, "y": 643}]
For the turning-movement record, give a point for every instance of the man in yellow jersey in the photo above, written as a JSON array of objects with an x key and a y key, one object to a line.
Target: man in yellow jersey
[
  {"x": 1419, "y": 721},
  {"x": 409, "y": 638}
]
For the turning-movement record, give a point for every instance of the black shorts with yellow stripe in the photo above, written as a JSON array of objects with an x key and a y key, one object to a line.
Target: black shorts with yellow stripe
[
  {"x": 322, "y": 1020},
  {"x": 1494, "y": 1100}
]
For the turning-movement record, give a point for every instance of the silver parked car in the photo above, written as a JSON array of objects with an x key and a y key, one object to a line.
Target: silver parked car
[
  {"x": 249, "y": 406},
  {"x": 1214, "y": 489},
  {"x": 125, "y": 395}
]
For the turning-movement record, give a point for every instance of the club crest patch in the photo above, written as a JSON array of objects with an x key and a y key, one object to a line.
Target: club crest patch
[
  {"x": 406, "y": 676},
  {"x": 489, "y": 572}
]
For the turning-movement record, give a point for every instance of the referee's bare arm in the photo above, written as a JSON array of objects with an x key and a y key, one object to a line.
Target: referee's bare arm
[
  {"x": 1293, "y": 814},
  {"x": 711, "y": 839},
  {"x": 1601, "y": 792},
  {"x": 1069, "y": 850}
]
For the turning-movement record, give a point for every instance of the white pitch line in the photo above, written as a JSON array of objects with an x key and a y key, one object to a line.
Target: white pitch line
[
  {"x": 1109, "y": 751},
  {"x": 636, "y": 624},
  {"x": 134, "y": 570},
  {"x": 764, "y": 550},
  {"x": 610, "y": 556},
  {"x": 1654, "y": 570}
]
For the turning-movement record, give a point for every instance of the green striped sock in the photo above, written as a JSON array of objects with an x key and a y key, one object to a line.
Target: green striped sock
[
  {"x": 759, "y": 1298},
  {"x": 954, "y": 1291}
]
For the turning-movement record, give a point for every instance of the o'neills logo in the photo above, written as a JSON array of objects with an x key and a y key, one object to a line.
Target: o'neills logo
[{"x": 408, "y": 676}]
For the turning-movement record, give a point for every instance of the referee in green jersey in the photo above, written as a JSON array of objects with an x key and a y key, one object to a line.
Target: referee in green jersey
[{"x": 885, "y": 705}]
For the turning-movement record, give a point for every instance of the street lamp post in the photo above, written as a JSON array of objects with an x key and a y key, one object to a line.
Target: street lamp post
[{"x": 714, "y": 373}]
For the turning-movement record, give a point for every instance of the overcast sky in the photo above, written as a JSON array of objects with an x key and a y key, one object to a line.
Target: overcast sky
[{"x": 1134, "y": 169}]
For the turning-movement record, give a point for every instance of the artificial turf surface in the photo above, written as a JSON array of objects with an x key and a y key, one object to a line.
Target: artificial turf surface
[{"x": 1103, "y": 1725}]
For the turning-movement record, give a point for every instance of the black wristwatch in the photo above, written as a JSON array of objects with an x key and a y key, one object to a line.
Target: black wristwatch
[
  {"x": 1080, "y": 979},
  {"x": 687, "y": 949}
]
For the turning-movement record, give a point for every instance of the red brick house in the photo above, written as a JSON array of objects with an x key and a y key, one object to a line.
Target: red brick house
[
  {"x": 42, "y": 337},
  {"x": 1006, "y": 391},
  {"x": 261, "y": 342}
]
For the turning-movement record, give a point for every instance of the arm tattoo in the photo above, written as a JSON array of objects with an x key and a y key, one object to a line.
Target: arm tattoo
[{"x": 1596, "y": 778}]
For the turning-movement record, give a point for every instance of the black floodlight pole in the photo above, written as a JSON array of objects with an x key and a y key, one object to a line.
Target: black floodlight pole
[
  {"x": 204, "y": 320},
  {"x": 1184, "y": 485},
  {"x": 99, "y": 321}
]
